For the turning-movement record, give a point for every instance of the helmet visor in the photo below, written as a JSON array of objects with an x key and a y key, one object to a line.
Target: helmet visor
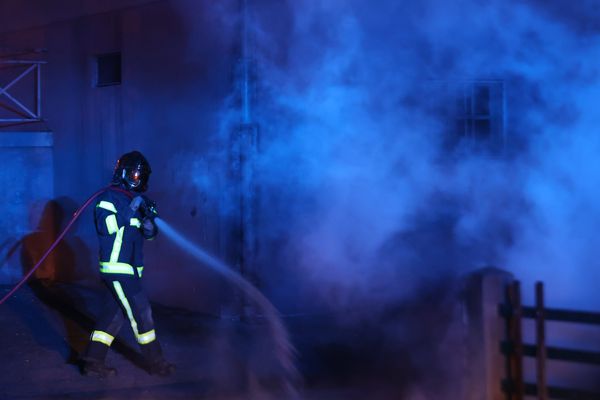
[{"x": 135, "y": 178}]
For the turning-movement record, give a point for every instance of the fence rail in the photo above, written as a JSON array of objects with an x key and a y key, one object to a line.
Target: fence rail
[
  {"x": 556, "y": 353},
  {"x": 553, "y": 392},
  {"x": 514, "y": 348}
]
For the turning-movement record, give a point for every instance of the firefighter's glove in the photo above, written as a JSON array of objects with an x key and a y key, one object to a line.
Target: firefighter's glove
[{"x": 149, "y": 228}]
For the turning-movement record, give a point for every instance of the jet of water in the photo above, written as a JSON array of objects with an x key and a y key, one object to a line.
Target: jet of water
[{"x": 284, "y": 349}]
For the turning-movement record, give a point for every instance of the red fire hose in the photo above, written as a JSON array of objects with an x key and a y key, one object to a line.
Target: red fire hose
[{"x": 60, "y": 237}]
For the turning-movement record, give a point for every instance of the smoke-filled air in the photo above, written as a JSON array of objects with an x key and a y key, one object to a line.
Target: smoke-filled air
[
  {"x": 372, "y": 186},
  {"x": 403, "y": 145}
]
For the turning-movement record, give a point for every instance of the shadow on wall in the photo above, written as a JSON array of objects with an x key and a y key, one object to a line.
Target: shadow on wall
[
  {"x": 51, "y": 281},
  {"x": 60, "y": 266},
  {"x": 67, "y": 282}
]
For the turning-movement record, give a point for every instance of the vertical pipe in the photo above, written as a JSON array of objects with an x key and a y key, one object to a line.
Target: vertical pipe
[
  {"x": 39, "y": 91},
  {"x": 246, "y": 116},
  {"x": 540, "y": 332},
  {"x": 504, "y": 117},
  {"x": 244, "y": 139},
  {"x": 516, "y": 337},
  {"x": 471, "y": 111}
]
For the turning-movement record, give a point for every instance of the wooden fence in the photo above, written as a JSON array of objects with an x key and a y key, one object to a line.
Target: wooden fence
[{"x": 516, "y": 350}]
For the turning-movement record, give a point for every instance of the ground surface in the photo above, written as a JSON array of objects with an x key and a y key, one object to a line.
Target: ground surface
[{"x": 44, "y": 328}]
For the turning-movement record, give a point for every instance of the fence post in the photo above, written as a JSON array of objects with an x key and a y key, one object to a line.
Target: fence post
[
  {"x": 484, "y": 291},
  {"x": 515, "y": 334},
  {"x": 540, "y": 333}
]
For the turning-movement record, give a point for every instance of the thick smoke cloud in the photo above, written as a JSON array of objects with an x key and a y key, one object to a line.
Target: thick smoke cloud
[
  {"x": 369, "y": 200},
  {"x": 358, "y": 182}
]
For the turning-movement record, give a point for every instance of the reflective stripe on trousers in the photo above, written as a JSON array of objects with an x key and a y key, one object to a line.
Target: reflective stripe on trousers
[{"x": 142, "y": 338}]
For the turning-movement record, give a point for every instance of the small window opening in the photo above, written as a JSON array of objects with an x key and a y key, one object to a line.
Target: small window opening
[{"x": 108, "y": 69}]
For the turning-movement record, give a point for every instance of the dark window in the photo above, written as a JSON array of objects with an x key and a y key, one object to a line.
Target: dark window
[
  {"x": 479, "y": 110},
  {"x": 472, "y": 112},
  {"x": 108, "y": 69}
]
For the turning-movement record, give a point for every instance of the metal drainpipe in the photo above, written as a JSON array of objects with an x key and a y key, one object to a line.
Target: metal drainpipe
[
  {"x": 246, "y": 118},
  {"x": 244, "y": 150}
]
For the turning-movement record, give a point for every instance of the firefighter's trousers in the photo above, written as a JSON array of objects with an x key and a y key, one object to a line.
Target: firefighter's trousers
[{"x": 126, "y": 302}]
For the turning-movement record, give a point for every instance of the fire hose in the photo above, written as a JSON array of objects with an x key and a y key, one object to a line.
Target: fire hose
[{"x": 76, "y": 215}]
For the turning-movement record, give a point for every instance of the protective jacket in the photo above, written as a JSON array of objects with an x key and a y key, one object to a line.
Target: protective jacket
[{"x": 120, "y": 234}]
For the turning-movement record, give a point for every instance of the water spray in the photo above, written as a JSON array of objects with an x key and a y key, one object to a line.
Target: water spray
[{"x": 284, "y": 349}]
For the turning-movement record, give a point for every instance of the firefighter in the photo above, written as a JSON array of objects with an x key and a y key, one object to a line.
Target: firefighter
[{"x": 124, "y": 218}]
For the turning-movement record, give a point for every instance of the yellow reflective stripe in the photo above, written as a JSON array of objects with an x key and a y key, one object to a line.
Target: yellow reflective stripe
[
  {"x": 116, "y": 268},
  {"x": 147, "y": 337},
  {"x": 116, "y": 250},
  {"x": 126, "y": 305},
  {"x": 107, "y": 205},
  {"x": 135, "y": 222},
  {"x": 111, "y": 224},
  {"x": 140, "y": 270},
  {"x": 102, "y": 337}
]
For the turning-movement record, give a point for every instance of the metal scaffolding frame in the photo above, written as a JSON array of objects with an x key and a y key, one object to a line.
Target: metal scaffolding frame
[{"x": 22, "y": 113}]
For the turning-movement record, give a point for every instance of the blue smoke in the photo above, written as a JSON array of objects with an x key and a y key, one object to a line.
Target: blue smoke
[
  {"x": 362, "y": 199},
  {"x": 358, "y": 184},
  {"x": 369, "y": 198}
]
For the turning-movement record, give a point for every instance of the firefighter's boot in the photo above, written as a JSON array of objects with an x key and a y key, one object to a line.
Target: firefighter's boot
[{"x": 98, "y": 369}]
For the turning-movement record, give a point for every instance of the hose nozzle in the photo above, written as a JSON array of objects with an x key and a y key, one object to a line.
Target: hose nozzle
[{"x": 148, "y": 208}]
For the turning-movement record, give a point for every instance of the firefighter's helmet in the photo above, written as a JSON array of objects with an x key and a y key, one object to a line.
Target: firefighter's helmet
[{"x": 132, "y": 172}]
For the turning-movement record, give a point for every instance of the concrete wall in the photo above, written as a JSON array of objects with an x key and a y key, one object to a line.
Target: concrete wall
[
  {"x": 28, "y": 186},
  {"x": 19, "y": 15},
  {"x": 167, "y": 107}
]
